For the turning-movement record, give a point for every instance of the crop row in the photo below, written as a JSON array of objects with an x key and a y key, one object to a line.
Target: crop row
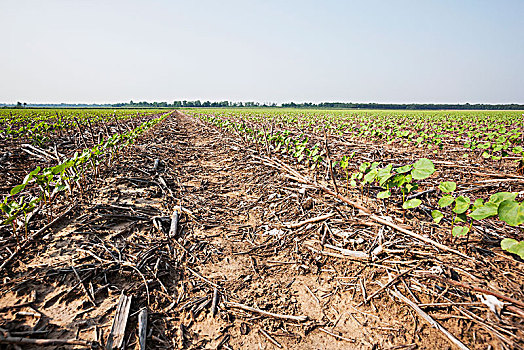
[
  {"x": 38, "y": 124},
  {"x": 394, "y": 180},
  {"x": 495, "y": 135},
  {"x": 41, "y": 186}
]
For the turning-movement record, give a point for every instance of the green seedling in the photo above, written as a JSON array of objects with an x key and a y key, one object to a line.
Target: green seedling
[{"x": 513, "y": 246}]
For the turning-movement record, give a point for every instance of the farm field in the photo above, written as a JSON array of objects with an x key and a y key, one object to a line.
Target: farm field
[{"x": 262, "y": 228}]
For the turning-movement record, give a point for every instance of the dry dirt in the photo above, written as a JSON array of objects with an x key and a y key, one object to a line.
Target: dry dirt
[{"x": 232, "y": 237}]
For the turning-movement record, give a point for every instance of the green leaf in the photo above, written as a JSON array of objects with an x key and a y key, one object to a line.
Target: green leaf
[
  {"x": 479, "y": 202},
  {"x": 34, "y": 200},
  {"x": 8, "y": 220},
  {"x": 447, "y": 186},
  {"x": 384, "y": 194},
  {"x": 59, "y": 168},
  {"x": 29, "y": 176},
  {"x": 461, "y": 218},
  {"x": 408, "y": 188},
  {"x": 17, "y": 189},
  {"x": 411, "y": 203},
  {"x": 386, "y": 170},
  {"x": 511, "y": 212},
  {"x": 485, "y": 145},
  {"x": 461, "y": 205},
  {"x": 384, "y": 174},
  {"x": 437, "y": 216},
  {"x": 499, "y": 197},
  {"x": 459, "y": 231},
  {"x": 488, "y": 210},
  {"x": 423, "y": 168},
  {"x": 5, "y": 208},
  {"x": 507, "y": 243},
  {"x": 518, "y": 249},
  {"x": 397, "y": 180},
  {"x": 60, "y": 188},
  {"x": 370, "y": 177},
  {"x": 383, "y": 180},
  {"x": 363, "y": 167},
  {"x": 403, "y": 169},
  {"x": 513, "y": 246},
  {"x": 445, "y": 201}
]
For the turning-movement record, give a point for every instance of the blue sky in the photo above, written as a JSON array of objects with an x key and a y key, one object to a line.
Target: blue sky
[{"x": 266, "y": 51}]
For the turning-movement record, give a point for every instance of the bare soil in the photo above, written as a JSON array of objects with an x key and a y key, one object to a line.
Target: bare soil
[{"x": 234, "y": 237}]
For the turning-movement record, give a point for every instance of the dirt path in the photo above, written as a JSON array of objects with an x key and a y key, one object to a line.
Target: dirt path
[{"x": 231, "y": 237}]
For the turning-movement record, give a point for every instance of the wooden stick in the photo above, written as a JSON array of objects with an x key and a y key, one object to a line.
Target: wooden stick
[
  {"x": 270, "y": 338},
  {"x": 426, "y": 317},
  {"x": 116, "y": 336},
  {"x": 174, "y": 222},
  {"x": 323, "y": 252},
  {"x": 516, "y": 310},
  {"x": 164, "y": 183},
  {"x": 214, "y": 305},
  {"x": 450, "y": 304},
  {"x": 203, "y": 278},
  {"x": 4, "y": 308},
  {"x": 35, "y": 154},
  {"x": 266, "y": 313},
  {"x": 91, "y": 130},
  {"x": 346, "y": 252},
  {"x": 313, "y": 294},
  {"x": 80, "y": 132},
  {"x": 393, "y": 281},
  {"x": 41, "y": 151},
  {"x": 477, "y": 289},
  {"x": 500, "y": 175},
  {"x": 142, "y": 328},
  {"x": 308, "y": 221},
  {"x": 89, "y": 296},
  {"x": 43, "y": 342},
  {"x": 336, "y": 335}
]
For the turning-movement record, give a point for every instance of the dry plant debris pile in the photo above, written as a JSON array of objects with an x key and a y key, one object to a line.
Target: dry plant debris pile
[{"x": 236, "y": 229}]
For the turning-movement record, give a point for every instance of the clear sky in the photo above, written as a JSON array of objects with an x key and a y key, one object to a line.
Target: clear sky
[{"x": 267, "y": 51}]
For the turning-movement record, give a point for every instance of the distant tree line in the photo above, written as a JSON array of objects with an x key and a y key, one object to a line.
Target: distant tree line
[
  {"x": 411, "y": 106},
  {"x": 321, "y": 105},
  {"x": 197, "y": 103},
  {"x": 337, "y": 105}
]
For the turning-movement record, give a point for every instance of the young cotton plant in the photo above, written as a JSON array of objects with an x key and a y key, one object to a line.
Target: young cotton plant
[
  {"x": 504, "y": 206},
  {"x": 53, "y": 180},
  {"x": 402, "y": 178},
  {"x": 462, "y": 204},
  {"x": 13, "y": 209},
  {"x": 344, "y": 164},
  {"x": 501, "y": 205},
  {"x": 519, "y": 151}
]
